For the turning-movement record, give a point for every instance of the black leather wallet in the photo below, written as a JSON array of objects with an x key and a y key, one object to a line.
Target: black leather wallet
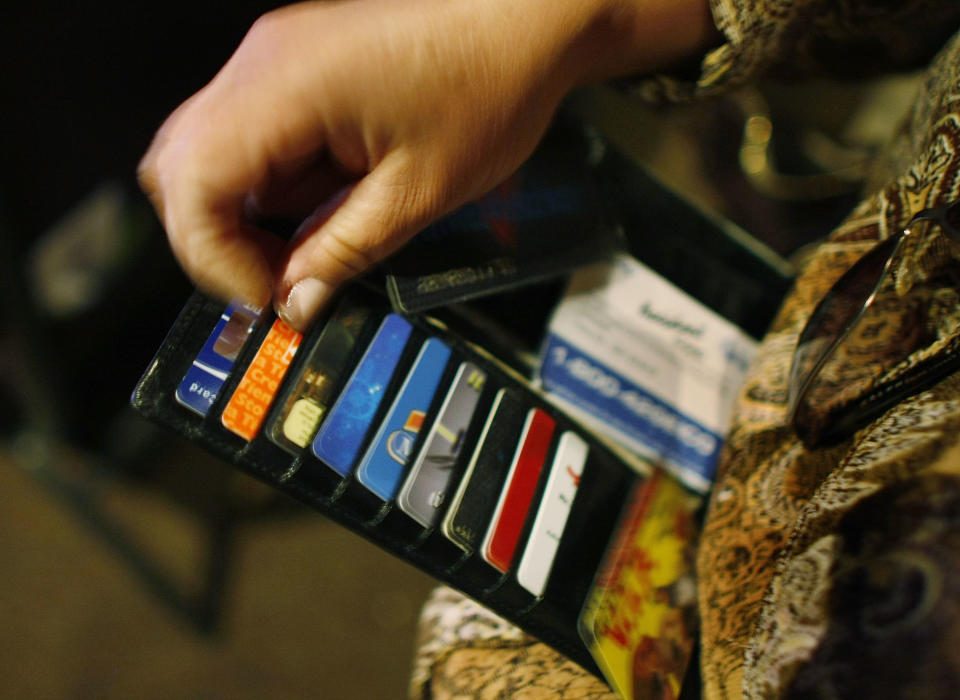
[
  {"x": 453, "y": 554},
  {"x": 447, "y": 408}
]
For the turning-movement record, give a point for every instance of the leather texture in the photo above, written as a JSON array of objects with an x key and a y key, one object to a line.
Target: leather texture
[{"x": 552, "y": 618}]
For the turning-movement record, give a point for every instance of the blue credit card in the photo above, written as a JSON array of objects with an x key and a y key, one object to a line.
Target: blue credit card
[
  {"x": 386, "y": 458},
  {"x": 340, "y": 437},
  {"x": 200, "y": 385}
]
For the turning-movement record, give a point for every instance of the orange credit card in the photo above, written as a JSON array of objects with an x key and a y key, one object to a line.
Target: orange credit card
[{"x": 248, "y": 406}]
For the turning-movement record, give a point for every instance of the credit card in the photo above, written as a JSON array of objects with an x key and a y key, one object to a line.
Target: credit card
[
  {"x": 547, "y": 218},
  {"x": 246, "y": 409},
  {"x": 306, "y": 401},
  {"x": 203, "y": 381},
  {"x": 544, "y": 539},
  {"x": 500, "y": 542},
  {"x": 469, "y": 512},
  {"x": 339, "y": 439},
  {"x": 639, "y": 620},
  {"x": 383, "y": 463},
  {"x": 425, "y": 488}
]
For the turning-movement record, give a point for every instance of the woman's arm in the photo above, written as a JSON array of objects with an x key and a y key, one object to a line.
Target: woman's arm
[{"x": 379, "y": 116}]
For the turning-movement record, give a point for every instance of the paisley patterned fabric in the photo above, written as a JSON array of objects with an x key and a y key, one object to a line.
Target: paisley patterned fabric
[
  {"x": 838, "y": 38},
  {"x": 830, "y": 572},
  {"x": 806, "y": 589},
  {"x": 466, "y": 652}
]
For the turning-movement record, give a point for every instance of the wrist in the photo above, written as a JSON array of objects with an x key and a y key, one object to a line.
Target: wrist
[{"x": 624, "y": 37}]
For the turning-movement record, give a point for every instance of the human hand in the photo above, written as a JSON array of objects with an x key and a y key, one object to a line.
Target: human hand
[{"x": 378, "y": 116}]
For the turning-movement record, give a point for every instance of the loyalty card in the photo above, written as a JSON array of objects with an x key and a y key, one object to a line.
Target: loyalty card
[
  {"x": 340, "y": 437},
  {"x": 248, "y": 406},
  {"x": 383, "y": 464},
  {"x": 639, "y": 620},
  {"x": 469, "y": 513},
  {"x": 202, "y": 382},
  {"x": 637, "y": 359},
  {"x": 544, "y": 539},
  {"x": 307, "y": 399},
  {"x": 502, "y": 536},
  {"x": 425, "y": 488}
]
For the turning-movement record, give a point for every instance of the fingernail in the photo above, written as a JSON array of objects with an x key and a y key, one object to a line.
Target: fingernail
[{"x": 304, "y": 302}]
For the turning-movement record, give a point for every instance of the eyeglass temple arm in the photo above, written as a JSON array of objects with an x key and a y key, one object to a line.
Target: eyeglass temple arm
[{"x": 940, "y": 216}]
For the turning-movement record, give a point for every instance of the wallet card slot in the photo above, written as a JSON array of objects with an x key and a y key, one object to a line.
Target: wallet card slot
[
  {"x": 535, "y": 503},
  {"x": 510, "y": 593},
  {"x": 241, "y": 363},
  {"x": 508, "y": 596},
  {"x": 250, "y": 402},
  {"x": 475, "y": 576},
  {"x": 353, "y": 495},
  {"x": 503, "y": 532},
  {"x": 328, "y": 354},
  {"x": 475, "y": 497},
  {"x": 198, "y": 319},
  {"x": 400, "y": 436},
  {"x": 399, "y": 525},
  {"x": 440, "y": 460},
  {"x": 552, "y": 617},
  {"x": 359, "y": 409},
  {"x": 317, "y": 477},
  {"x": 155, "y": 393},
  {"x": 402, "y": 429},
  {"x": 548, "y": 521},
  {"x": 271, "y": 458},
  {"x": 604, "y": 487},
  {"x": 432, "y": 546},
  {"x": 201, "y": 380}
]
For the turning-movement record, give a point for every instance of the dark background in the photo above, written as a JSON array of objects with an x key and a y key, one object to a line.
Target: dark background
[
  {"x": 84, "y": 88},
  {"x": 86, "y": 84},
  {"x": 134, "y": 565}
]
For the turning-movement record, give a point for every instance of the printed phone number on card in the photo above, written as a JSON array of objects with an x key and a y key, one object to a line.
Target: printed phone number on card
[{"x": 602, "y": 382}]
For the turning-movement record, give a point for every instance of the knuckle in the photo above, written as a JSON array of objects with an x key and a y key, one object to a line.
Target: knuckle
[
  {"x": 350, "y": 258},
  {"x": 412, "y": 201},
  {"x": 262, "y": 24},
  {"x": 266, "y": 26},
  {"x": 421, "y": 200}
]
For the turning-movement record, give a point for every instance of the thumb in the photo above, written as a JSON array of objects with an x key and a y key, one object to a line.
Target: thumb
[{"x": 357, "y": 228}]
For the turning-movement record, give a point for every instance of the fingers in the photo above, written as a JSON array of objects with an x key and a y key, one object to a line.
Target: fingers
[
  {"x": 416, "y": 103},
  {"x": 296, "y": 194},
  {"x": 223, "y": 253},
  {"x": 209, "y": 159},
  {"x": 358, "y": 228},
  {"x": 217, "y": 247}
]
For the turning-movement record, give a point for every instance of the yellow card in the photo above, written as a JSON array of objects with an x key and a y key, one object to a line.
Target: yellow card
[{"x": 640, "y": 616}]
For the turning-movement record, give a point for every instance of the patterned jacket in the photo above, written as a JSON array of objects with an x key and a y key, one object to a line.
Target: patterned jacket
[
  {"x": 830, "y": 572},
  {"x": 835, "y": 572}
]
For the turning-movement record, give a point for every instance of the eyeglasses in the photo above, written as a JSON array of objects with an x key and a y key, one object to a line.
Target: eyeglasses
[{"x": 860, "y": 331}]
